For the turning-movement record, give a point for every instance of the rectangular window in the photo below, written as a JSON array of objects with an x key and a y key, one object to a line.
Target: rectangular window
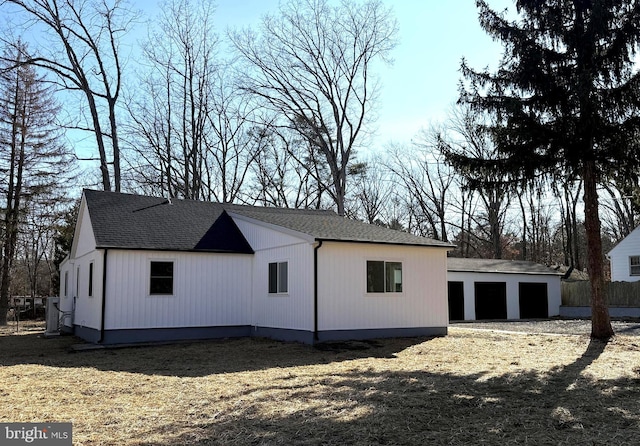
[
  {"x": 90, "y": 279},
  {"x": 77, "y": 292},
  {"x": 634, "y": 266},
  {"x": 278, "y": 277},
  {"x": 66, "y": 283},
  {"x": 384, "y": 277},
  {"x": 161, "y": 278}
]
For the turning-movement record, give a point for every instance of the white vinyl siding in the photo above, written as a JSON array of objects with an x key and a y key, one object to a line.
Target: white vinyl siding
[
  {"x": 345, "y": 304},
  {"x": 209, "y": 289},
  {"x": 293, "y": 310},
  {"x": 84, "y": 241},
  {"x": 87, "y": 291}
]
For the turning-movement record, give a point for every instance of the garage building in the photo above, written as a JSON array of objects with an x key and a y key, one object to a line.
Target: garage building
[{"x": 490, "y": 289}]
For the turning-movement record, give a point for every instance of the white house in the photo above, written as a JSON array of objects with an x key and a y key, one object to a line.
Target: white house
[
  {"x": 502, "y": 289},
  {"x": 625, "y": 258},
  {"x": 149, "y": 269}
]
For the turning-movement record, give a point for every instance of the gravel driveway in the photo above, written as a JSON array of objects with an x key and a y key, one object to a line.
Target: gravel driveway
[{"x": 556, "y": 326}]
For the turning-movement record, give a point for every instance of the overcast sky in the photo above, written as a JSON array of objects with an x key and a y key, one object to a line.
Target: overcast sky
[{"x": 422, "y": 83}]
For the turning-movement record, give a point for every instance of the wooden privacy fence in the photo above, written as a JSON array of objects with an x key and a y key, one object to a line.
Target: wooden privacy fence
[{"x": 620, "y": 294}]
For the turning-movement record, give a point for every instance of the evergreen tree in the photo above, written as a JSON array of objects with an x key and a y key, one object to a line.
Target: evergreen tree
[
  {"x": 33, "y": 162},
  {"x": 566, "y": 95}
]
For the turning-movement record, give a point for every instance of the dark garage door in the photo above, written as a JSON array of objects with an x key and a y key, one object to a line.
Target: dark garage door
[
  {"x": 456, "y": 301},
  {"x": 533, "y": 300},
  {"x": 491, "y": 300}
]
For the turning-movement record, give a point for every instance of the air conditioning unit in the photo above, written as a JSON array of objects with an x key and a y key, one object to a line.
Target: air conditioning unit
[{"x": 53, "y": 316}]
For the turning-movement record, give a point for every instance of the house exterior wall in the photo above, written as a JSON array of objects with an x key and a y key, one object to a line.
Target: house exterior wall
[
  {"x": 345, "y": 305},
  {"x": 67, "y": 293},
  {"x": 619, "y": 257},
  {"x": 292, "y": 310},
  {"x": 208, "y": 290},
  {"x": 512, "y": 285},
  {"x": 87, "y": 308}
]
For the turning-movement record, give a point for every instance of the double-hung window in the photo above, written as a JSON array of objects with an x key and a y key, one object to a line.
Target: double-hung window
[
  {"x": 634, "y": 265},
  {"x": 384, "y": 277},
  {"x": 161, "y": 278},
  {"x": 278, "y": 277}
]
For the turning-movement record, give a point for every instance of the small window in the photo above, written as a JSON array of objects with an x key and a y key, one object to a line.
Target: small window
[
  {"x": 161, "y": 278},
  {"x": 634, "y": 266},
  {"x": 278, "y": 277},
  {"x": 90, "y": 279},
  {"x": 66, "y": 283},
  {"x": 384, "y": 277}
]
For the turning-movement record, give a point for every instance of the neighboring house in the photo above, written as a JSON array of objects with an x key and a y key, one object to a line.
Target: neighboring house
[
  {"x": 625, "y": 258},
  {"x": 501, "y": 289},
  {"x": 151, "y": 269}
]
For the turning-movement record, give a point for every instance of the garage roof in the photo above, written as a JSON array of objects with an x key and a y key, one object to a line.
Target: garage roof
[{"x": 498, "y": 266}]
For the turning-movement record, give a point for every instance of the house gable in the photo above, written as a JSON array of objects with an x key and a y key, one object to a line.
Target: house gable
[
  {"x": 84, "y": 240},
  {"x": 630, "y": 242},
  {"x": 224, "y": 236},
  {"x": 620, "y": 257}
]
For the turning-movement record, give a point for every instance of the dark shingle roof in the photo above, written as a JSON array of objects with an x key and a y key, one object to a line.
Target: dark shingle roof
[
  {"x": 327, "y": 225},
  {"x": 498, "y": 266},
  {"x": 142, "y": 222}
]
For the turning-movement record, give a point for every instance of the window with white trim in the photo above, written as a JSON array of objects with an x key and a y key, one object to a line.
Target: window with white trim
[
  {"x": 634, "y": 265},
  {"x": 161, "y": 278},
  {"x": 384, "y": 277},
  {"x": 278, "y": 277}
]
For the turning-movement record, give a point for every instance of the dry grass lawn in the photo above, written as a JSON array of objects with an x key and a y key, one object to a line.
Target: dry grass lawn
[{"x": 470, "y": 387}]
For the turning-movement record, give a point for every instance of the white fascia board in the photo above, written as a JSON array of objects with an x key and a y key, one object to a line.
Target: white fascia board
[{"x": 302, "y": 235}]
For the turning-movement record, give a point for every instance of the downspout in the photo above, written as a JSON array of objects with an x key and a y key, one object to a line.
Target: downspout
[
  {"x": 315, "y": 290},
  {"x": 104, "y": 293}
]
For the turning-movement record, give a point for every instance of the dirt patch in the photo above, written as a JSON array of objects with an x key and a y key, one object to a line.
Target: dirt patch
[{"x": 470, "y": 387}]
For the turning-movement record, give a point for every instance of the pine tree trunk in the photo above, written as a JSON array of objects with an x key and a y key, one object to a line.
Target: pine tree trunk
[{"x": 600, "y": 321}]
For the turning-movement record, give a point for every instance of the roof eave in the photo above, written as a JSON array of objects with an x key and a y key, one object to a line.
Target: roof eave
[
  {"x": 527, "y": 273},
  {"x": 382, "y": 242},
  {"x": 138, "y": 248}
]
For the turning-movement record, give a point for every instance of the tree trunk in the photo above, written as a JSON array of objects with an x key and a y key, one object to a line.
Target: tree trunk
[{"x": 600, "y": 321}]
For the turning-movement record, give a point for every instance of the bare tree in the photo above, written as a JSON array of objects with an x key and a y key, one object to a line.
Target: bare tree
[
  {"x": 427, "y": 182},
  {"x": 190, "y": 127},
  {"x": 372, "y": 193},
  {"x": 80, "y": 46},
  {"x": 572, "y": 237},
  {"x": 468, "y": 135},
  {"x": 285, "y": 172},
  {"x": 312, "y": 65},
  {"x": 621, "y": 204},
  {"x": 536, "y": 218}
]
